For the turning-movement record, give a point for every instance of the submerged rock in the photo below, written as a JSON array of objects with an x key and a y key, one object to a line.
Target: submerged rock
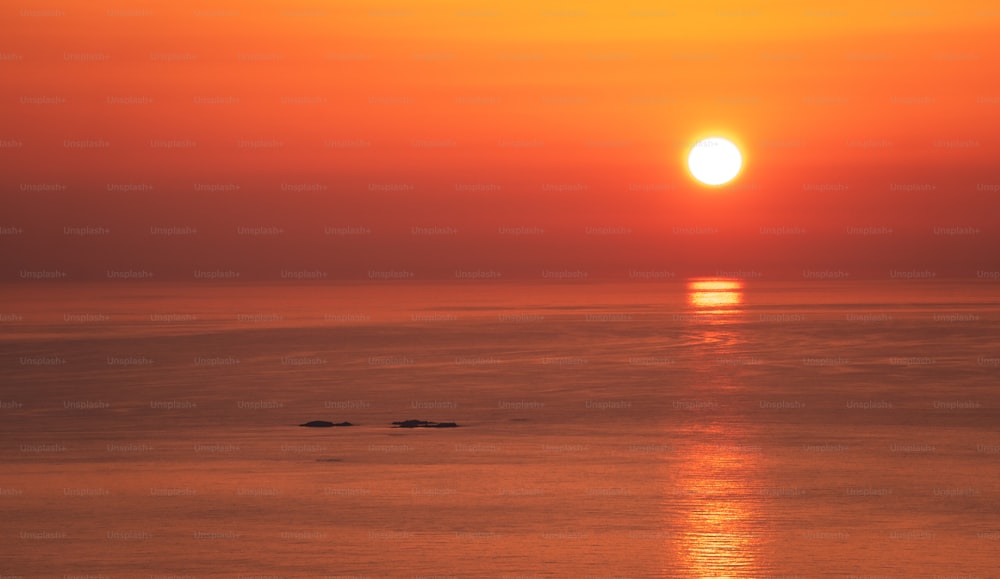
[
  {"x": 423, "y": 424},
  {"x": 324, "y": 424}
]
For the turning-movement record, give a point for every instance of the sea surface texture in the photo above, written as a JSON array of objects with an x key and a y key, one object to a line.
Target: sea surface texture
[{"x": 697, "y": 428}]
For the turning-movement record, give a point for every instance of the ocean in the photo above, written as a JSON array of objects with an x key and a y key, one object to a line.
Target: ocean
[{"x": 641, "y": 428}]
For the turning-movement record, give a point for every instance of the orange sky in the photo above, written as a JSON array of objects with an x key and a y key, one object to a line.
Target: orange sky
[{"x": 869, "y": 135}]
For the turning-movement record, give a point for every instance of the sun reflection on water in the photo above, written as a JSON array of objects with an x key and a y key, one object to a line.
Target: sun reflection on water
[
  {"x": 718, "y": 537},
  {"x": 715, "y": 499},
  {"x": 715, "y": 296}
]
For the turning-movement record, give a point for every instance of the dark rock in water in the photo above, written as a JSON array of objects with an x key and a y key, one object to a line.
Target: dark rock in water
[
  {"x": 423, "y": 424},
  {"x": 324, "y": 424}
]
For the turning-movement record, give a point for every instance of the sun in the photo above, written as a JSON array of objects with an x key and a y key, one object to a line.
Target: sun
[{"x": 714, "y": 161}]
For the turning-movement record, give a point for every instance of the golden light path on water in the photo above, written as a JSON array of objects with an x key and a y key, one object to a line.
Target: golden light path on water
[
  {"x": 715, "y": 296},
  {"x": 717, "y": 488},
  {"x": 718, "y": 473}
]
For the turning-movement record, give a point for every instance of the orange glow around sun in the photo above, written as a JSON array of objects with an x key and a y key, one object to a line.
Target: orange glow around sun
[{"x": 386, "y": 116}]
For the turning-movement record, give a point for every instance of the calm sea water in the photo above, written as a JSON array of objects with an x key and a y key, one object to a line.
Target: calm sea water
[{"x": 688, "y": 429}]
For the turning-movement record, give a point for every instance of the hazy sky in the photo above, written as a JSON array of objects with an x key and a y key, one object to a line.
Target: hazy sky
[{"x": 516, "y": 138}]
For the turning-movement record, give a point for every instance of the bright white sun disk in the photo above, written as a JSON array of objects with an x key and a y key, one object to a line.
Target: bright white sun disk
[{"x": 714, "y": 161}]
